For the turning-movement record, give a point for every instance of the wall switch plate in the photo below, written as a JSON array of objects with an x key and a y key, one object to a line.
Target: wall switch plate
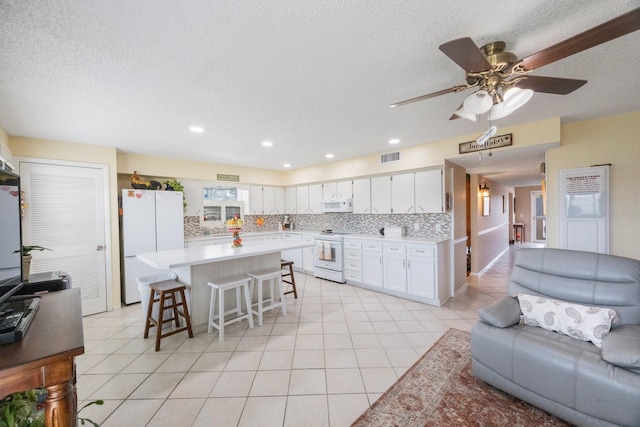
[
  {"x": 438, "y": 227},
  {"x": 416, "y": 226}
]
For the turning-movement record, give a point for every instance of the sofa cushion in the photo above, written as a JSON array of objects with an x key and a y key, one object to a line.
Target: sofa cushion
[
  {"x": 502, "y": 313},
  {"x": 621, "y": 347},
  {"x": 586, "y": 323}
]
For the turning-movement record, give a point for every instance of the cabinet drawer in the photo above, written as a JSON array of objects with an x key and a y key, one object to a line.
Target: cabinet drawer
[
  {"x": 394, "y": 248},
  {"x": 351, "y": 254},
  {"x": 372, "y": 246},
  {"x": 352, "y": 244},
  {"x": 350, "y": 264},
  {"x": 425, "y": 251},
  {"x": 355, "y": 276}
]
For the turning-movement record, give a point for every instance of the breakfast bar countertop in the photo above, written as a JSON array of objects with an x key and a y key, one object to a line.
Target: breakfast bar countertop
[{"x": 207, "y": 254}]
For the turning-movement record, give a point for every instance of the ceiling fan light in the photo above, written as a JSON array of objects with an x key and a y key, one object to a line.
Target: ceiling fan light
[
  {"x": 515, "y": 98},
  {"x": 464, "y": 114},
  {"x": 499, "y": 111},
  {"x": 478, "y": 102}
]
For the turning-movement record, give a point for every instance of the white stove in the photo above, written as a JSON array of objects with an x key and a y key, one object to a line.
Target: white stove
[{"x": 328, "y": 256}]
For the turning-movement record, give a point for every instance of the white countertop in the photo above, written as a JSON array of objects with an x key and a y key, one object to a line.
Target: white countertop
[{"x": 207, "y": 254}]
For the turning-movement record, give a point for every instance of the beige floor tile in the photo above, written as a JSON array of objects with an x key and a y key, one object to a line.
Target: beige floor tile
[
  {"x": 107, "y": 346},
  {"x": 225, "y": 411},
  {"x": 233, "y": 384},
  {"x": 337, "y": 341},
  {"x": 88, "y": 361},
  {"x": 229, "y": 344},
  {"x": 194, "y": 345},
  {"x": 307, "y": 411},
  {"x": 178, "y": 362},
  {"x": 275, "y": 360},
  {"x": 365, "y": 341},
  {"x": 133, "y": 413},
  {"x": 341, "y": 381},
  {"x": 372, "y": 358},
  {"x": 341, "y": 358},
  {"x": 281, "y": 342},
  {"x": 393, "y": 341},
  {"x": 336, "y": 328},
  {"x": 244, "y": 361},
  {"x": 252, "y": 343},
  {"x": 344, "y": 409},
  {"x": 309, "y": 342},
  {"x": 270, "y": 383},
  {"x": 157, "y": 386},
  {"x": 308, "y": 381},
  {"x": 263, "y": 412},
  {"x": 146, "y": 363},
  {"x": 195, "y": 385},
  {"x": 308, "y": 359},
  {"x": 113, "y": 364},
  {"x": 215, "y": 361},
  {"x": 119, "y": 387},
  {"x": 315, "y": 328},
  {"x": 402, "y": 357},
  {"x": 97, "y": 413},
  {"x": 177, "y": 412},
  {"x": 88, "y": 384}
]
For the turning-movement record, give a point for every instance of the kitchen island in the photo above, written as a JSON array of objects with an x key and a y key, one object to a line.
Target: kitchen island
[{"x": 196, "y": 266}]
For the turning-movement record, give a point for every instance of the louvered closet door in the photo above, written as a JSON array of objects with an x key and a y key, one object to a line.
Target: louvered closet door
[{"x": 66, "y": 213}]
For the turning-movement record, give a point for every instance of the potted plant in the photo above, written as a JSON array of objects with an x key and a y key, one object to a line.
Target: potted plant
[{"x": 26, "y": 258}]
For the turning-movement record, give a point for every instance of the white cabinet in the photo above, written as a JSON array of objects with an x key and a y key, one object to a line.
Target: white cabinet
[
  {"x": 362, "y": 195},
  {"x": 307, "y": 254},
  {"x": 256, "y": 200},
  {"x": 421, "y": 271},
  {"x": 315, "y": 199},
  {"x": 372, "y": 263},
  {"x": 417, "y": 271},
  {"x": 395, "y": 267},
  {"x": 302, "y": 199},
  {"x": 272, "y": 200},
  {"x": 353, "y": 260},
  {"x": 381, "y": 194},
  {"x": 402, "y": 193},
  {"x": 337, "y": 190},
  {"x": 294, "y": 255},
  {"x": 428, "y": 189},
  {"x": 290, "y": 200}
]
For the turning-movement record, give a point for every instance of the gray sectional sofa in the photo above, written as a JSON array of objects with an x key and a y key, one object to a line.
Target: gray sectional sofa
[{"x": 566, "y": 376}]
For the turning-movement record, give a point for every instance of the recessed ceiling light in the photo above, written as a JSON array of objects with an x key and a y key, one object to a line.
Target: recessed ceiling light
[
  {"x": 286, "y": 165},
  {"x": 394, "y": 141},
  {"x": 329, "y": 156},
  {"x": 267, "y": 143},
  {"x": 196, "y": 129}
]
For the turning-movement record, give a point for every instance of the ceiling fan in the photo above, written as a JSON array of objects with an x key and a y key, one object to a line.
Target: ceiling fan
[{"x": 503, "y": 81}]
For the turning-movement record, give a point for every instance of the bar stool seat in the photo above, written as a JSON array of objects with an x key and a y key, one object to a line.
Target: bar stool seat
[
  {"x": 291, "y": 280},
  {"x": 274, "y": 277},
  {"x": 218, "y": 289},
  {"x": 171, "y": 297}
]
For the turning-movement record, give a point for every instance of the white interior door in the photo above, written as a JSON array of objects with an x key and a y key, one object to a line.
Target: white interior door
[
  {"x": 538, "y": 218},
  {"x": 67, "y": 212}
]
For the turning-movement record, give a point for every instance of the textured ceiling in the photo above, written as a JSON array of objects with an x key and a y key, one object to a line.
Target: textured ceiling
[{"x": 311, "y": 76}]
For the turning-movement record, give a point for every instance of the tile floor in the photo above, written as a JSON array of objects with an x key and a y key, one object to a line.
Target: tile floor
[{"x": 338, "y": 349}]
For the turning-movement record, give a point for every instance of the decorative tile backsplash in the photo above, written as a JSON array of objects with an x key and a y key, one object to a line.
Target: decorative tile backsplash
[{"x": 360, "y": 223}]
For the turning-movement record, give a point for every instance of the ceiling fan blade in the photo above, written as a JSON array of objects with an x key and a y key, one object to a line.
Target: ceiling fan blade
[
  {"x": 550, "y": 84},
  {"x": 466, "y": 54},
  {"x": 454, "y": 116},
  {"x": 617, "y": 27},
  {"x": 429, "y": 95}
]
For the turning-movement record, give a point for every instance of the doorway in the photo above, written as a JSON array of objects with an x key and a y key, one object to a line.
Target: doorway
[
  {"x": 66, "y": 211},
  {"x": 538, "y": 219}
]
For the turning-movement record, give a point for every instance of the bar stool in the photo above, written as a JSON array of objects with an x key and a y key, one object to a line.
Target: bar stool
[
  {"x": 274, "y": 277},
  {"x": 284, "y": 264},
  {"x": 217, "y": 289},
  {"x": 163, "y": 292}
]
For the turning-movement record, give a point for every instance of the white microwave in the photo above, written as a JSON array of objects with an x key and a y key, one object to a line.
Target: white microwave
[
  {"x": 216, "y": 213},
  {"x": 339, "y": 205}
]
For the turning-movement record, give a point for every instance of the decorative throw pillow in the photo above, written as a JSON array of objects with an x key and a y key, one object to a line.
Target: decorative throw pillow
[{"x": 586, "y": 323}]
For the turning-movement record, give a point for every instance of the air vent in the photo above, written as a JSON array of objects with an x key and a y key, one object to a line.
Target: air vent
[{"x": 391, "y": 157}]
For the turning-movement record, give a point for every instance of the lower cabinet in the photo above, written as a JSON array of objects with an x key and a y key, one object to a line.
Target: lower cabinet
[
  {"x": 294, "y": 255},
  {"x": 413, "y": 271},
  {"x": 307, "y": 254}
]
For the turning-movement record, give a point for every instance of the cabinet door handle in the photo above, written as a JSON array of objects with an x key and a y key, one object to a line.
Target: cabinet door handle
[
  {"x": 409, "y": 262},
  {"x": 380, "y": 259},
  {"x": 404, "y": 263}
]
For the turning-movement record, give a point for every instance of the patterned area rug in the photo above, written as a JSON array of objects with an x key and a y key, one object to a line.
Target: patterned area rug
[{"x": 440, "y": 390}]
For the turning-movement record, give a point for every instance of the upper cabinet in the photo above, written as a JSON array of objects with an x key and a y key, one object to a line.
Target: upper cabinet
[
  {"x": 290, "y": 200},
  {"x": 381, "y": 194},
  {"x": 402, "y": 193},
  {"x": 429, "y": 189},
  {"x": 266, "y": 200},
  {"x": 315, "y": 199},
  {"x": 362, "y": 195},
  {"x": 337, "y": 190},
  {"x": 302, "y": 199}
]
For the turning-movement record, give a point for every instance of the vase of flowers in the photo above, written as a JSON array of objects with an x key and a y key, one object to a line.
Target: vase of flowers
[{"x": 234, "y": 225}]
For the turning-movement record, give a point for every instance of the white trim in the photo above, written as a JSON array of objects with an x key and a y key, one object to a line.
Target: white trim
[
  {"x": 460, "y": 240},
  {"x": 492, "y": 229}
]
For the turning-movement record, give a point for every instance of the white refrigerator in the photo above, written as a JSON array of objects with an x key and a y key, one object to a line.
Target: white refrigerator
[{"x": 151, "y": 221}]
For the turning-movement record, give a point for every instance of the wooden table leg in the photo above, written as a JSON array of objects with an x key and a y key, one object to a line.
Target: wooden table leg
[{"x": 61, "y": 405}]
